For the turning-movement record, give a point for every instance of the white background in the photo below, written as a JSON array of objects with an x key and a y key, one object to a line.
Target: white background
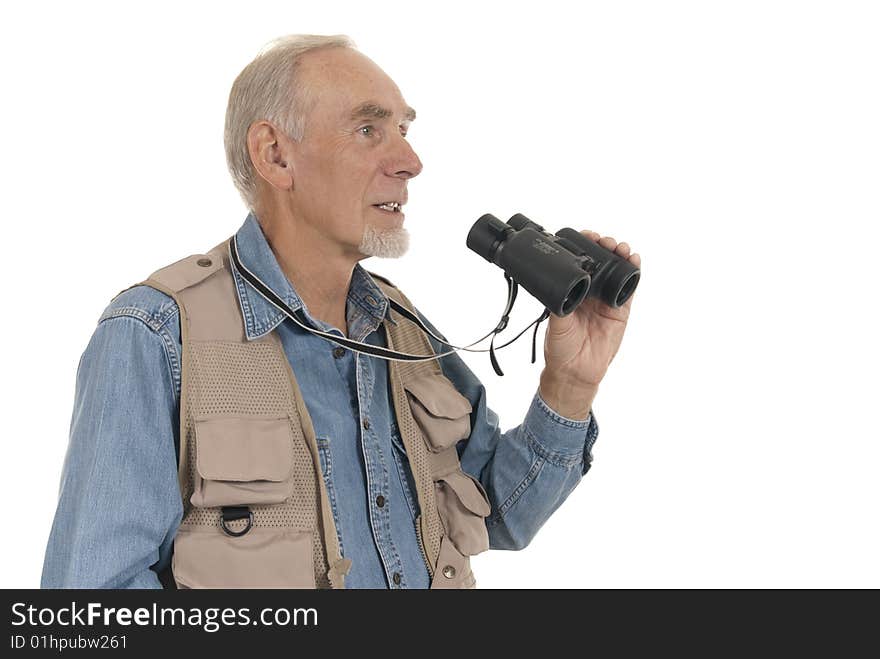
[{"x": 734, "y": 145}]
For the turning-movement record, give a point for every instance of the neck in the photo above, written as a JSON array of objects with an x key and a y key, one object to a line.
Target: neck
[{"x": 318, "y": 271}]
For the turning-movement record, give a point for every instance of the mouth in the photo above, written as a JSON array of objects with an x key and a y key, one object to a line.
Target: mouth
[{"x": 390, "y": 208}]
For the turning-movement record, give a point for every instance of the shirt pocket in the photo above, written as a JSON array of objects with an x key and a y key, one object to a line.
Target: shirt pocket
[
  {"x": 242, "y": 461},
  {"x": 440, "y": 411},
  {"x": 463, "y": 505}
]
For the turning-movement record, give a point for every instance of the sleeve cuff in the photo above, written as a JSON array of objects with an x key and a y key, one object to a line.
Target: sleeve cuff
[{"x": 558, "y": 435}]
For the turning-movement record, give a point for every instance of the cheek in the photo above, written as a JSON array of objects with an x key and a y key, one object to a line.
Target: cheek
[
  {"x": 353, "y": 169},
  {"x": 340, "y": 179}
]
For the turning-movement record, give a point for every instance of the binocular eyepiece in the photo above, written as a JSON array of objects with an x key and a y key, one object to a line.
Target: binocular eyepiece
[{"x": 560, "y": 269}]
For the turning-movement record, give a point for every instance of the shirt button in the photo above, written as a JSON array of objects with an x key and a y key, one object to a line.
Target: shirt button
[
  {"x": 366, "y": 424},
  {"x": 449, "y": 572},
  {"x": 380, "y": 501},
  {"x": 338, "y": 352},
  {"x": 396, "y": 578}
]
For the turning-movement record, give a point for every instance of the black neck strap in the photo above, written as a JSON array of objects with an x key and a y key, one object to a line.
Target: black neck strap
[{"x": 300, "y": 319}]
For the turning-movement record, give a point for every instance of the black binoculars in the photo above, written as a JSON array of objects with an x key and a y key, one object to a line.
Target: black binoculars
[{"x": 559, "y": 270}]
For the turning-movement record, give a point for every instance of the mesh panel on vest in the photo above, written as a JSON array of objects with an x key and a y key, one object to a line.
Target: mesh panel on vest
[
  {"x": 238, "y": 379},
  {"x": 250, "y": 379}
]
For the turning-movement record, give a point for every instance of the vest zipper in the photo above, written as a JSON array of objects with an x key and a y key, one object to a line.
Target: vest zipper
[
  {"x": 422, "y": 546},
  {"x": 396, "y": 405}
]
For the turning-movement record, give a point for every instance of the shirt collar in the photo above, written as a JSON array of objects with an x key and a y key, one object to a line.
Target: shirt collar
[{"x": 367, "y": 305}]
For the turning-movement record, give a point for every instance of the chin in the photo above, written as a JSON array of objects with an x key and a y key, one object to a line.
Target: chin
[{"x": 385, "y": 243}]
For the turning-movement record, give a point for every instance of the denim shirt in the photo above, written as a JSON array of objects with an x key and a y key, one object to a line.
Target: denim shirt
[{"x": 119, "y": 500}]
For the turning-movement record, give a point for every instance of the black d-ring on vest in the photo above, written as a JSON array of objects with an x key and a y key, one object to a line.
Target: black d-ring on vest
[{"x": 232, "y": 513}]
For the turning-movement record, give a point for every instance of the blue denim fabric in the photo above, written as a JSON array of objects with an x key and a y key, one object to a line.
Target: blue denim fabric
[{"x": 119, "y": 504}]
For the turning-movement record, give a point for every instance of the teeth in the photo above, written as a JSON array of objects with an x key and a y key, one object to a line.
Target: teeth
[{"x": 390, "y": 206}]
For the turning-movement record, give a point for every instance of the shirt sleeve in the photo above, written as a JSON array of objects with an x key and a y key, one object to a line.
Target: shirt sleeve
[
  {"x": 527, "y": 471},
  {"x": 119, "y": 501}
]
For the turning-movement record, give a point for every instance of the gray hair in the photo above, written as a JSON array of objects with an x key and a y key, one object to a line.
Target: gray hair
[{"x": 268, "y": 89}]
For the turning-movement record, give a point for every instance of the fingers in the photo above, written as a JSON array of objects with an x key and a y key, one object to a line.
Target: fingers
[{"x": 623, "y": 250}]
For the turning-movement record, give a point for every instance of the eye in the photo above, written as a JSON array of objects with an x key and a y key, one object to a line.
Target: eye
[{"x": 366, "y": 128}]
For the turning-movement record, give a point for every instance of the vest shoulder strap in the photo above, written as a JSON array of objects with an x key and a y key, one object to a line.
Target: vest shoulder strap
[
  {"x": 191, "y": 270},
  {"x": 184, "y": 273}
]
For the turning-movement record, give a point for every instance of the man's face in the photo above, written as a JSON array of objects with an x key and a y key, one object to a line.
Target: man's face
[{"x": 354, "y": 155}]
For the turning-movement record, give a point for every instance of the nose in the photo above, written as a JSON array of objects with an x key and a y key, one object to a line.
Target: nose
[{"x": 405, "y": 162}]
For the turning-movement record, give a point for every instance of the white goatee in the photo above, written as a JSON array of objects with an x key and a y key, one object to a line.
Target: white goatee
[{"x": 384, "y": 243}]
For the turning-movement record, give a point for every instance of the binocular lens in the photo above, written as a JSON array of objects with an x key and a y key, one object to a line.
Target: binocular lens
[
  {"x": 575, "y": 296},
  {"x": 628, "y": 288}
]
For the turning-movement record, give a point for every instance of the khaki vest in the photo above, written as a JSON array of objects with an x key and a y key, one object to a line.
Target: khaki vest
[{"x": 246, "y": 439}]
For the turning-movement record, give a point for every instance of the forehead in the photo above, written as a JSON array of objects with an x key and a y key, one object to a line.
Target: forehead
[{"x": 345, "y": 83}]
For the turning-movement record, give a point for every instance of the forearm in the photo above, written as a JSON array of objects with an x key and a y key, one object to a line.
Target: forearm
[{"x": 535, "y": 467}]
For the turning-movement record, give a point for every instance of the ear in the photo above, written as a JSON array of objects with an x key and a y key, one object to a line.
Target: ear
[{"x": 269, "y": 151}]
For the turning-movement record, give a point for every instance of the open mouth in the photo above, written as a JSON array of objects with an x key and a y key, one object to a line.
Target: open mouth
[{"x": 389, "y": 206}]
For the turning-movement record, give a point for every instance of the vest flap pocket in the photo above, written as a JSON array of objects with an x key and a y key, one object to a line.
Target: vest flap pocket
[
  {"x": 463, "y": 504},
  {"x": 239, "y": 449},
  {"x": 261, "y": 558},
  {"x": 242, "y": 461},
  {"x": 438, "y": 395},
  {"x": 470, "y": 492},
  {"x": 441, "y": 412}
]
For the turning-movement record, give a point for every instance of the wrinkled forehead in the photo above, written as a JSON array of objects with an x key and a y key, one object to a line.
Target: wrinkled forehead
[{"x": 342, "y": 81}]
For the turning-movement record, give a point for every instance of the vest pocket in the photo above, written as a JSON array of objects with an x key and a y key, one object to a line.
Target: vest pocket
[
  {"x": 242, "y": 461},
  {"x": 262, "y": 558},
  {"x": 462, "y": 504},
  {"x": 441, "y": 412}
]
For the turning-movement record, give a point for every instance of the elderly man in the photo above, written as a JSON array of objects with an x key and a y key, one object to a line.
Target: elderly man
[{"x": 221, "y": 438}]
